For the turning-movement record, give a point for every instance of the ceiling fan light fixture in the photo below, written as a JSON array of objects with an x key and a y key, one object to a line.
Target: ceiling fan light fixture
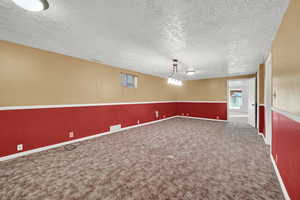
[{"x": 32, "y": 5}]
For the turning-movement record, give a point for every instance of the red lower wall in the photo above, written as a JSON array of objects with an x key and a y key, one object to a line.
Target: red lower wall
[
  {"x": 262, "y": 120},
  {"x": 35, "y": 128},
  {"x": 203, "y": 110},
  {"x": 286, "y": 147}
]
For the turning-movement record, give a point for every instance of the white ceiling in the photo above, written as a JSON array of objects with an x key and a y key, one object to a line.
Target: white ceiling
[{"x": 216, "y": 37}]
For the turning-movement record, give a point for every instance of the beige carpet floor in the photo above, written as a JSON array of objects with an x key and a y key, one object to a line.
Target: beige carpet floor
[
  {"x": 186, "y": 159},
  {"x": 238, "y": 116}
]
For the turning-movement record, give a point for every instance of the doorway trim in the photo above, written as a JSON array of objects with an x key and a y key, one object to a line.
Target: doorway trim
[
  {"x": 256, "y": 98},
  {"x": 268, "y": 100}
]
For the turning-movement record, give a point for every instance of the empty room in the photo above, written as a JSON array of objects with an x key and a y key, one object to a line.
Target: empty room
[{"x": 149, "y": 100}]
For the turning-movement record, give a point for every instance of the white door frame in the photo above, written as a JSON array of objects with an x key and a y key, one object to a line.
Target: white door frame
[
  {"x": 228, "y": 97},
  {"x": 252, "y": 95},
  {"x": 268, "y": 100},
  {"x": 257, "y": 101}
]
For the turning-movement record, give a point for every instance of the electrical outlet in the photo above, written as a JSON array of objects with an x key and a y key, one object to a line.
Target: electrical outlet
[
  {"x": 19, "y": 147},
  {"x": 71, "y": 134},
  {"x": 115, "y": 127},
  {"x": 157, "y": 114}
]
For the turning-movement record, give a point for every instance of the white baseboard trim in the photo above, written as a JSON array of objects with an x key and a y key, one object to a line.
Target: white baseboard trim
[
  {"x": 202, "y": 101},
  {"x": 24, "y": 153},
  {"x": 266, "y": 142},
  {"x": 79, "y": 105},
  {"x": 264, "y": 138},
  {"x": 283, "y": 188},
  {"x": 219, "y": 120},
  {"x": 98, "y": 104}
]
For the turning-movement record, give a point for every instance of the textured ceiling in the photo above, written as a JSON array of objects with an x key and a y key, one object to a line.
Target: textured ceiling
[{"x": 215, "y": 37}]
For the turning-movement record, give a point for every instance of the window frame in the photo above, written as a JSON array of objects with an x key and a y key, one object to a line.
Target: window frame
[{"x": 126, "y": 82}]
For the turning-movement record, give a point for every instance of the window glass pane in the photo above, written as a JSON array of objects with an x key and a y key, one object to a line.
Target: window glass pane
[
  {"x": 123, "y": 80},
  {"x": 128, "y": 80},
  {"x": 236, "y": 99}
]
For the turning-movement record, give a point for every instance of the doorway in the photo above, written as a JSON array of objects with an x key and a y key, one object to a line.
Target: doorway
[{"x": 242, "y": 101}]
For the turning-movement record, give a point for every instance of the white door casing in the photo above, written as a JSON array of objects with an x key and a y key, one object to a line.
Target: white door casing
[
  {"x": 252, "y": 102},
  {"x": 268, "y": 100}
]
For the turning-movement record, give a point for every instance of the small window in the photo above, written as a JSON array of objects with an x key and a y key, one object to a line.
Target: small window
[
  {"x": 236, "y": 99},
  {"x": 128, "y": 80}
]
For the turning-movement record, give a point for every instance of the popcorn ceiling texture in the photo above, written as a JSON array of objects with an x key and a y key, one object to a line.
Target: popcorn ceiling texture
[{"x": 216, "y": 37}]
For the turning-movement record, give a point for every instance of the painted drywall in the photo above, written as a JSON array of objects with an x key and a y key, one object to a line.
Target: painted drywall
[
  {"x": 286, "y": 62},
  {"x": 207, "y": 89},
  {"x": 286, "y": 97},
  {"x": 203, "y": 90},
  {"x": 30, "y": 76},
  {"x": 261, "y": 83},
  {"x": 209, "y": 110},
  {"x": 35, "y": 128},
  {"x": 286, "y": 151},
  {"x": 261, "y": 116}
]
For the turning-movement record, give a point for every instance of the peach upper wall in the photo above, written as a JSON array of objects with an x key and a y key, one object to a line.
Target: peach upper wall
[
  {"x": 206, "y": 89},
  {"x": 261, "y": 83},
  {"x": 30, "y": 76},
  {"x": 286, "y": 62}
]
